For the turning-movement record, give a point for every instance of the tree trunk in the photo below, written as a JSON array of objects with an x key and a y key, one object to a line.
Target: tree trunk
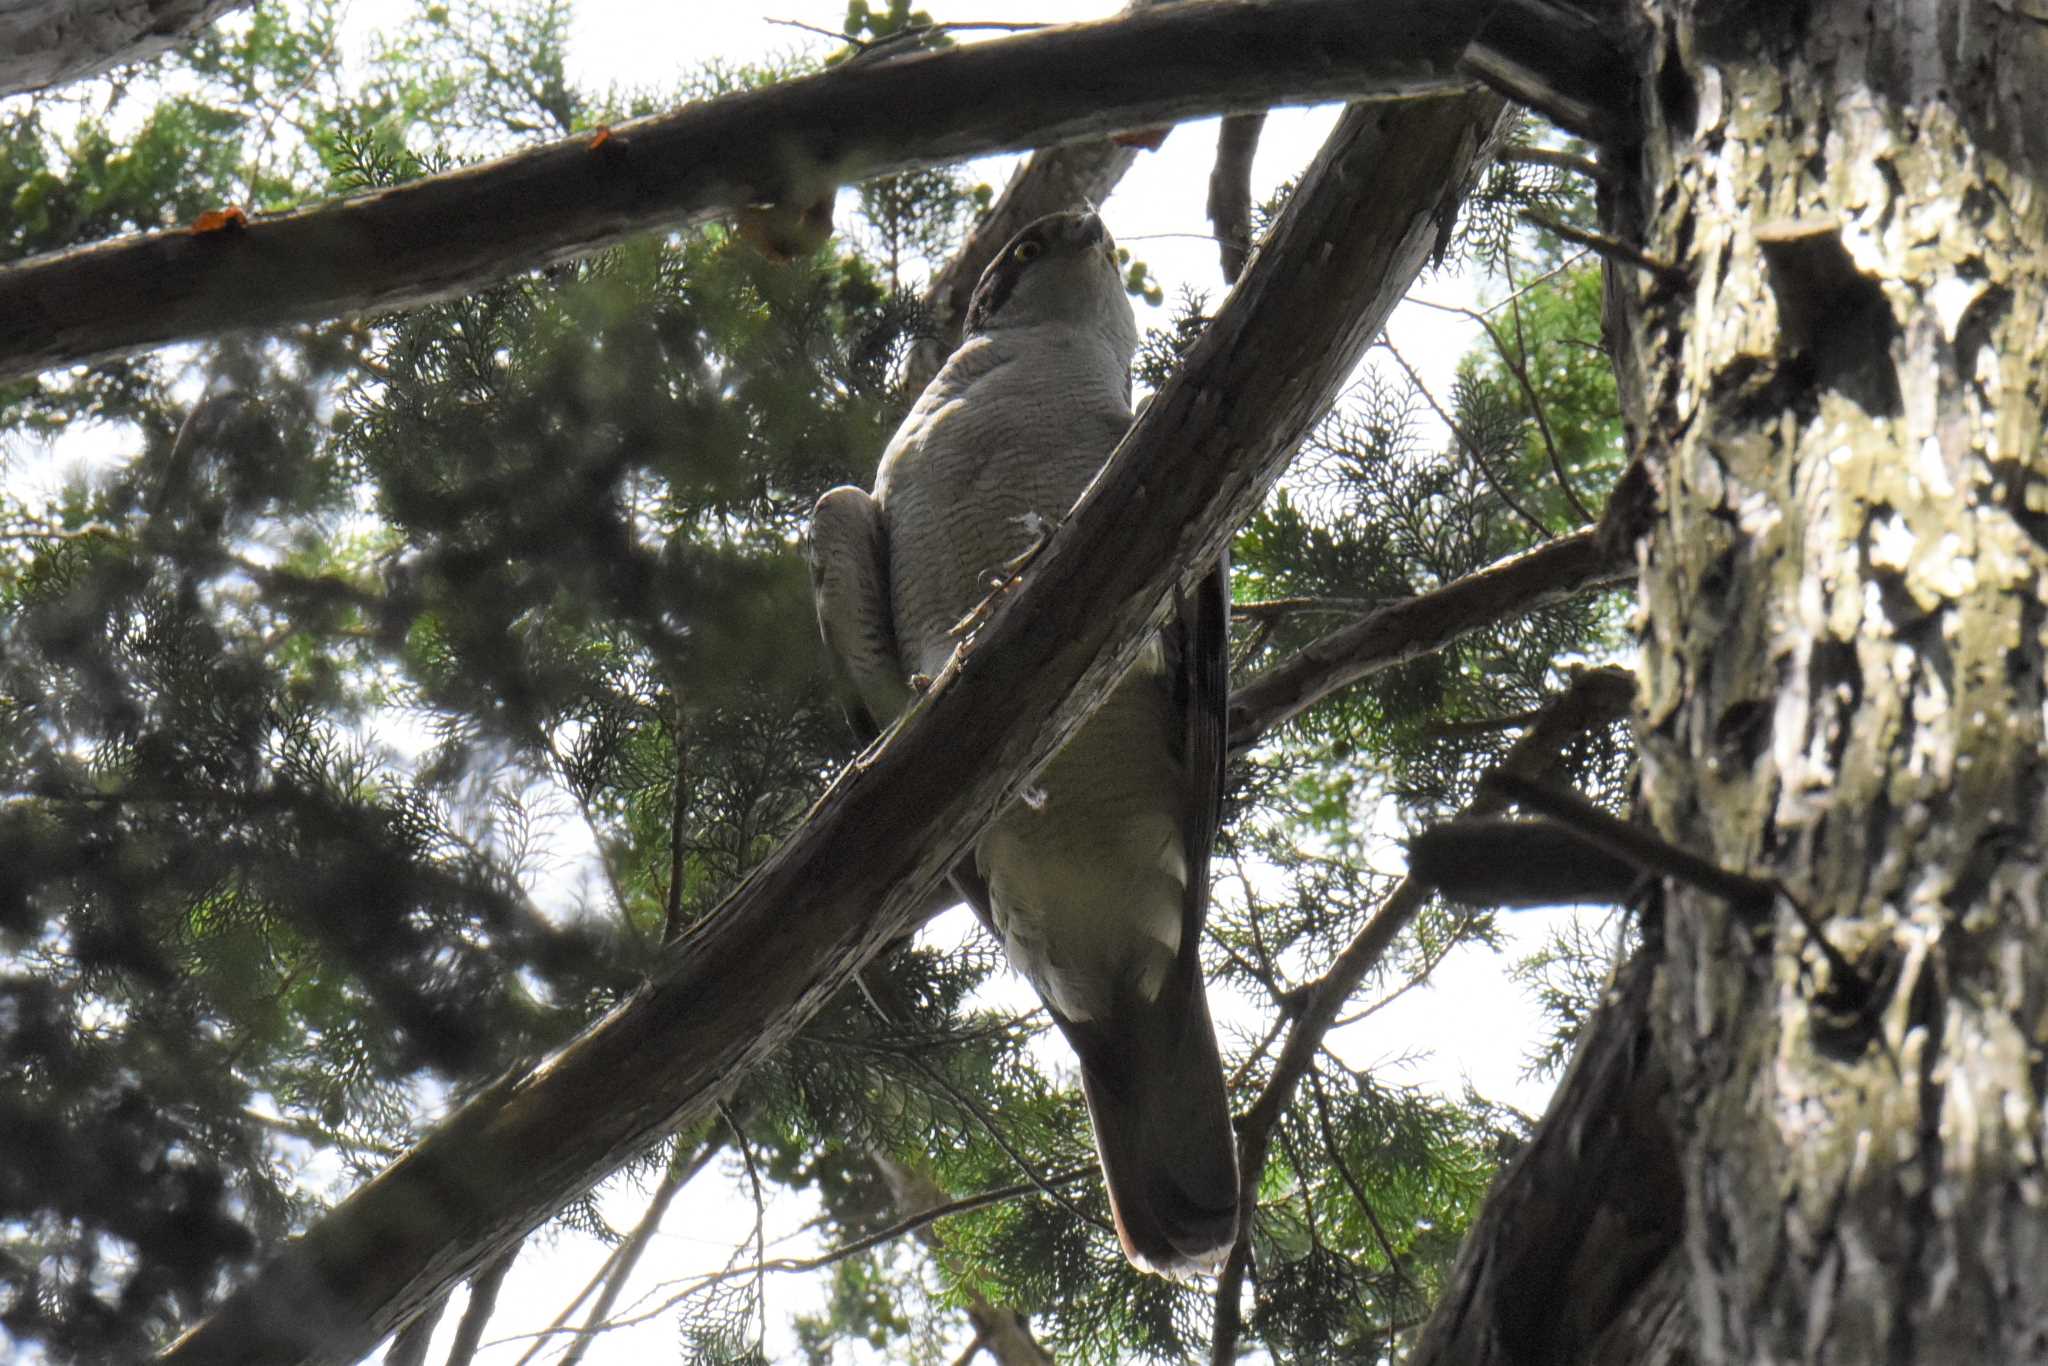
[{"x": 1841, "y": 407}]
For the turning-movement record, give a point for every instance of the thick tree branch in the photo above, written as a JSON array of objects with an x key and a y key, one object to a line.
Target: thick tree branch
[
  {"x": 1051, "y": 179},
  {"x": 1199, "y": 461},
  {"x": 1597, "y": 697},
  {"x": 48, "y": 42},
  {"x": 1571, "y": 1258},
  {"x": 1427, "y": 622},
  {"x": 448, "y": 234}
]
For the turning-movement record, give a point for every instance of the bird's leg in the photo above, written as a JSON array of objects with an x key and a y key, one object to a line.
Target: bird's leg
[{"x": 1041, "y": 529}]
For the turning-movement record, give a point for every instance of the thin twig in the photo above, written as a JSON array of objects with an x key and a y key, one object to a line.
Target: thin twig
[
  {"x": 1471, "y": 446},
  {"x": 672, "y": 919},
  {"x": 1613, "y": 248},
  {"x": 1518, "y": 366},
  {"x": 760, "y": 1221},
  {"x": 1563, "y": 161},
  {"x": 1351, "y": 1181},
  {"x": 1560, "y": 268},
  {"x": 964, "y": 1205},
  {"x": 973, "y": 1107}
]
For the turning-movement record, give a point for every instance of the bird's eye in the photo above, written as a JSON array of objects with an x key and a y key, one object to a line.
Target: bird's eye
[{"x": 1028, "y": 251}]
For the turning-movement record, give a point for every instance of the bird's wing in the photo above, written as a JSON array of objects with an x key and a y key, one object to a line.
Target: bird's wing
[{"x": 849, "y": 558}]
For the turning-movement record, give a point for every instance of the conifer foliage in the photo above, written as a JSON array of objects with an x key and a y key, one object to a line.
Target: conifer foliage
[{"x": 376, "y": 699}]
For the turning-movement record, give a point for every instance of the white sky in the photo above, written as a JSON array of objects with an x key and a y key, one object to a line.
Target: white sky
[{"x": 1471, "y": 1024}]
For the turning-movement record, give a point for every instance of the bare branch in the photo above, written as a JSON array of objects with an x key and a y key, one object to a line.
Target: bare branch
[
  {"x": 1230, "y": 190},
  {"x": 48, "y": 42},
  {"x": 483, "y": 1302},
  {"x": 786, "y": 144},
  {"x": 1412, "y": 627}
]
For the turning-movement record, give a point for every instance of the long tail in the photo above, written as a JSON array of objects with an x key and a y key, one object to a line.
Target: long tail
[{"x": 1154, "y": 1085}]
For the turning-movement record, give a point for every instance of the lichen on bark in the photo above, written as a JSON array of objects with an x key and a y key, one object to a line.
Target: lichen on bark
[{"x": 1843, "y": 637}]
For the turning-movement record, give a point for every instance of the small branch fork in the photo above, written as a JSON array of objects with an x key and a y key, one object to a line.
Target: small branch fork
[{"x": 1597, "y": 697}]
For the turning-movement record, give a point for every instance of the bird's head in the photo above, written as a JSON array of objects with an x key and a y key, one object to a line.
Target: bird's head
[{"x": 1061, "y": 269}]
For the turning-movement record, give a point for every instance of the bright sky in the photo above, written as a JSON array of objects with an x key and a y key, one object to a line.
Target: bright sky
[{"x": 1472, "y": 1024}]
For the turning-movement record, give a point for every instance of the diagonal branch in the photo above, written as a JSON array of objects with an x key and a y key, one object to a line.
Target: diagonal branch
[
  {"x": 736, "y": 987},
  {"x": 1596, "y": 697},
  {"x": 452, "y": 233},
  {"x": 48, "y": 42},
  {"x": 1551, "y": 573}
]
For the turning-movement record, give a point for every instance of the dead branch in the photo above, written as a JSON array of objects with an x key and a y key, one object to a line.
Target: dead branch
[
  {"x": 739, "y": 984},
  {"x": 1230, "y": 191},
  {"x": 449, "y": 234},
  {"x": 48, "y": 42},
  {"x": 1405, "y": 630}
]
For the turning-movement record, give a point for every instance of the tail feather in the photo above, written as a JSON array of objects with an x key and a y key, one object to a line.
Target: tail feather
[{"x": 1154, "y": 1085}]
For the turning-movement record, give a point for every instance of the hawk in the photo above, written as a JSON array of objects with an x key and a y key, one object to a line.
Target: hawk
[{"x": 1096, "y": 881}]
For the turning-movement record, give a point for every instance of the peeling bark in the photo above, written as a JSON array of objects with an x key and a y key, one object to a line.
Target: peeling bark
[
  {"x": 48, "y": 42},
  {"x": 1845, "y": 618}
]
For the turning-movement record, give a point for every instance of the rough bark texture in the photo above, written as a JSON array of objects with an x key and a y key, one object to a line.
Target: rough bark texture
[
  {"x": 1845, "y": 616},
  {"x": 1368, "y": 214},
  {"x": 1572, "y": 1260},
  {"x": 48, "y": 42},
  {"x": 786, "y": 144}
]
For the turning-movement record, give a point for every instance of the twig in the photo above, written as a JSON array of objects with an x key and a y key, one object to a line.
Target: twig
[
  {"x": 760, "y": 1221},
  {"x": 964, "y": 1205},
  {"x": 1518, "y": 366},
  {"x": 1594, "y": 698},
  {"x": 672, "y": 918},
  {"x": 1613, "y": 248},
  {"x": 1563, "y": 161},
  {"x": 1352, "y": 1183},
  {"x": 1560, "y": 268},
  {"x": 1471, "y": 446}
]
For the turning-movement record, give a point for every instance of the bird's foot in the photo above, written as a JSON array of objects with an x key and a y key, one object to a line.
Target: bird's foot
[
  {"x": 1041, "y": 529},
  {"x": 920, "y": 684}
]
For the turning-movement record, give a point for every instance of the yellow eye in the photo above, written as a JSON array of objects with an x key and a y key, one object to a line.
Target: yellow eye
[{"x": 1027, "y": 251}]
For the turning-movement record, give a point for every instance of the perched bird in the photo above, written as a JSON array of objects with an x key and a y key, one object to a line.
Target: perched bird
[{"x": 1096, "y": 880}]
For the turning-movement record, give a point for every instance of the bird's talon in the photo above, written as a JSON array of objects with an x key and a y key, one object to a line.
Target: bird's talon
[{"x": 920, "y": 683}]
